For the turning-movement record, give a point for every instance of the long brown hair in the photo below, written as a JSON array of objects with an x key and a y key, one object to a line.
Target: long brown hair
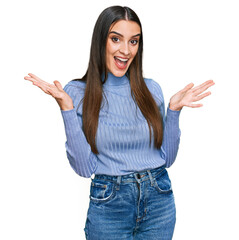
[{"x": 97, "y": 68}]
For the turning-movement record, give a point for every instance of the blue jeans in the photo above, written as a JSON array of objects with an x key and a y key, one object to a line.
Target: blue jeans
[{"x": 137, "y": 206}]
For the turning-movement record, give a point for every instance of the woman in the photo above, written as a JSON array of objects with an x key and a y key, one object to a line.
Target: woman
[{"x": 116, "y": 128}]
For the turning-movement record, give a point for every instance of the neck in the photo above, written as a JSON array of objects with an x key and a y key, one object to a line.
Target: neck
[{"x": 112, "y": 80}]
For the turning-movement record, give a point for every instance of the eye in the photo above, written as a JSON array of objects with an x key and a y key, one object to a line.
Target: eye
[
  {"x": 115, "y": 39},
  {"x": 134, "y": 42}
]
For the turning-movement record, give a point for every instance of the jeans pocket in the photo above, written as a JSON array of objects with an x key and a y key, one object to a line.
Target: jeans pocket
[
  {"x": 162, "y": 182},
  {"x": 101, "y": 191}
]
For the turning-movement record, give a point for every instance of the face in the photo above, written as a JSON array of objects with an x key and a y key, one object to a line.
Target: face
[{"x": 122, "y": 46}]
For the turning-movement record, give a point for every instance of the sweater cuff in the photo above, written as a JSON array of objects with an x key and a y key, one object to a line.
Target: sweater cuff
[
  {"x": 173, "y": 115},
  {"x": 68, "y": 113},
  {"x": 70, "y": 119}
]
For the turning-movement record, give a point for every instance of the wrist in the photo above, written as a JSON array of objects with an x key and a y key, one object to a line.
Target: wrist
[
  {"x": 174, "y": 107},
  {"x": 66, "y": 108},
  {"x": 65, "y": 104}
]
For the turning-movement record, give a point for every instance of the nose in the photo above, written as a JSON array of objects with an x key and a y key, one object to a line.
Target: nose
[{"x": 124, "y": 49}]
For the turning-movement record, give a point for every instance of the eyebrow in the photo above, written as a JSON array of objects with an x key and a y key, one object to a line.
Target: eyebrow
[{"x": 122, "y": 35}]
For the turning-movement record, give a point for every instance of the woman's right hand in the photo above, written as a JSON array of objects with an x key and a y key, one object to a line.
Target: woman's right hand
[{"x": 55, "y": 90}]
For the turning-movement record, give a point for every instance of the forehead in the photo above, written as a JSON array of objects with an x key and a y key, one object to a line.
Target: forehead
[{"x": 125, "y": 27}]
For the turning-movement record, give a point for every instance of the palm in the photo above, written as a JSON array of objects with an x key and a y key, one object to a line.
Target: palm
[
  {"x": 55, "y": 90},
  {"x": 188, "y": 95}
]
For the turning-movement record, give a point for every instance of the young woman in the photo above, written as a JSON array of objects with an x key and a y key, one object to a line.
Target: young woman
[{"x": 116, "y": 129}]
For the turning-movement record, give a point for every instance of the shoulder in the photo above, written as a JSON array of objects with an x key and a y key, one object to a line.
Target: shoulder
[
  {"x": 74, "y": 87},
  {"x": 75, "y": 84},
  {"x": 155, "y": 89}
]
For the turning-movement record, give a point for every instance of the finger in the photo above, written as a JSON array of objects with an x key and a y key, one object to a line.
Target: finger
[
  {"x": 34, "y": 76},
  {"x": 188, "y": 87},
  {"x": 37, "y": 78},
  {"x": 202, "y": 96},
  {"x": 203, "y": 88},
  {"x": 37, "y": 82},
  {"x": 194, "y": 105},
  {"x": 42, "y": 87},
  {"x": 29, "y": 79},
  {"x": 58, "y": 85},
  {"x": 54, "y": 93},
  {"x": 209, "y": 82},
  {"x": 50, "y": 92}
]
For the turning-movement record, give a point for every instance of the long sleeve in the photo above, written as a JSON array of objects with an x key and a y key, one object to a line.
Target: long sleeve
[
  {"x": 78, "y": 150},
  {"x": 172, "y": 133}
]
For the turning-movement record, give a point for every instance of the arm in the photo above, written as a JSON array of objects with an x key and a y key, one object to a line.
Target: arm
[
  {"x": 79, "y": 154},
  {"x": 171, "y": 137},
  {"x": 78, "y": 150},
  {"x": 185, "y": 97},
  {"x": 172, "y": 133}
]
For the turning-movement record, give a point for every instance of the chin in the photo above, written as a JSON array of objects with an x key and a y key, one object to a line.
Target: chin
[{"x": 119, "y": 73}]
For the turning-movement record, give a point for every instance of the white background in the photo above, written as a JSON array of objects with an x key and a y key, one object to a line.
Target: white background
[{"x": 184, "y": 41}]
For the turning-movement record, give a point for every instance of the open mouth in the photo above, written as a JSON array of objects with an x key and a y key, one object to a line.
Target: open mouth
[{"x": 121, "y": 62}]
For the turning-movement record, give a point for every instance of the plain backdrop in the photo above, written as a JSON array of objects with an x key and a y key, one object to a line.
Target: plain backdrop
[{"x": 184, "y": 41}]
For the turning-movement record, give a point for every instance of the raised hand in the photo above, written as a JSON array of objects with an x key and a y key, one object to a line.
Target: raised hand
[
  {"x": 55, "y": 90},
  {"x": 188, "y": 95}
]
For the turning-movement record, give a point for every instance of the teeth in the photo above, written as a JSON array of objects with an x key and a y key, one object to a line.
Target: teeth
[{"x": 122, "y": 59}]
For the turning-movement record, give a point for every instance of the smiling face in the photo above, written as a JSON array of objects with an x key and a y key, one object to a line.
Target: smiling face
[{"x": 122, "y": 46}]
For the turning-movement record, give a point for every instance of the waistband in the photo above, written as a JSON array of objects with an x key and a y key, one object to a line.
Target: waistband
[{"x": 132, "y": 177}]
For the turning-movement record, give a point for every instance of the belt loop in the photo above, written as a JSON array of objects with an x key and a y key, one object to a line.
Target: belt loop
[
  {"x": 118, "y": 182},
  {"x": 138, "y": 180},
  {"x": 150, "y": 177}
]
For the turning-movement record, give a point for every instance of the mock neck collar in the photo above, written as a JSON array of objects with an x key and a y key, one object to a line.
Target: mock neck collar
[{"x": 112, "y": 80}]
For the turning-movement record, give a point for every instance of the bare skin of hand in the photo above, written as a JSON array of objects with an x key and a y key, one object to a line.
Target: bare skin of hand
[
  {"x": 188, "y": 95},
  {"x": 55, "y": 90}
]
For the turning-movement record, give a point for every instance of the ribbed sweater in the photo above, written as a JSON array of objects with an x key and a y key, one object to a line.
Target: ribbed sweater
[{"x": 122, "y": 137}]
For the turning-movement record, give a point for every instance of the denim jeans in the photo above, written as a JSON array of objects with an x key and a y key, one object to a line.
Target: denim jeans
[{"x": 137, "y": 206}]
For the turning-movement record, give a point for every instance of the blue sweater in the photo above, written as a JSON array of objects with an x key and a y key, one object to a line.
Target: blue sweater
[{"x": 122, "y": 137}]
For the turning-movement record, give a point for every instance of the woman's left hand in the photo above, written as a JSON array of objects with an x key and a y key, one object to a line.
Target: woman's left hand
[{"x": 188, "y": 95}]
